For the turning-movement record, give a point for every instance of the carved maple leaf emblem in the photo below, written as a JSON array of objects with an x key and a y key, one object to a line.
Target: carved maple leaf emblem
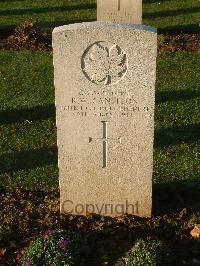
[{"x": 103, "y": 64}]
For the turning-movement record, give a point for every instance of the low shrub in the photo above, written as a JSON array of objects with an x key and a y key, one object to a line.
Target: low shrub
[
  {"x": 58, "y": 247},
  {"x": 29, "y": 36},
  {"x": 149, "y": 252}
]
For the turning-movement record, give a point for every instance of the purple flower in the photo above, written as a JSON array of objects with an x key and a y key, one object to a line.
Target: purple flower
[
  {"x": 19, "y": 257},
  {"x": 47, "y": 232},
  {"x": 28, "y": 263},
  {"x": 63, "y": 243}
]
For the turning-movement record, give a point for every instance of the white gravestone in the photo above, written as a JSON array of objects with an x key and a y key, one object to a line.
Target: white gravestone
[
  {"x": 105, "y": 86},
  {"x": 120, "y": 11}
]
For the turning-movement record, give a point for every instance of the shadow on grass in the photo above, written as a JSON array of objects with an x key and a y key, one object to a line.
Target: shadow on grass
[
  {"x": 58, "y": 23},
  {"x": 30, "y": 11},
  {"x": 173, "y": 197},
  {"x": 152, "y": 1},
  {"x": 165, "y": 96},
  {"x": 8, "y": 1},
  {"x": 31, "y": 159},
  {"x": 176, "y": 29},
  {"x": 170, "y": 13},
  {"x": 7, "y": 30},
  {"x": 28, "y": 159},
  {"x": 32, "y": 114},
  {"x": 165, "y": 137}
]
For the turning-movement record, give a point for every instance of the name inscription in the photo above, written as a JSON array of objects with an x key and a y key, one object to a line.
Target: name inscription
[{"x": 104, "y": 104}]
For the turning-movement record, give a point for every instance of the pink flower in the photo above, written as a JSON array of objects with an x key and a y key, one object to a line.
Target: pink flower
[
  {"x": 47, "y": 232},
  {"x": 63, "y": 243}
]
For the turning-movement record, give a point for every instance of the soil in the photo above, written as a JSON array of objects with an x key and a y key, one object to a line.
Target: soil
[
  {"x": 26, "y": 214},
  {"x": 180, "y": 42}
]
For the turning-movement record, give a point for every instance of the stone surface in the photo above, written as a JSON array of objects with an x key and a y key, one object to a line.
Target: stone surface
[
  {"x": 105, "y": 85},
  {"x": 120, "y": 11}
]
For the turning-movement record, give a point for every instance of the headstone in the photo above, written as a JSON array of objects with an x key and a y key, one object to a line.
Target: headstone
[
  {"x": 105, "y": 85},
  {"x": 120, "y": 11}
]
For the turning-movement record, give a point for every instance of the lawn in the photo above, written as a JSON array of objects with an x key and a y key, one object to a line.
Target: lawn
[
  {"x": 28, "y": 135},
  {"x": 169, "y": 15}
]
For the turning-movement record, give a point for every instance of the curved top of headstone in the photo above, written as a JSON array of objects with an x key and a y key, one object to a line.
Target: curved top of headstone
[{"x": 101, "y": 24}]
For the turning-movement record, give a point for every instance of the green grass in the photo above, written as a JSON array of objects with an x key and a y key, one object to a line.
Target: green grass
[
  {"x": 28, "y": 155},
  {"x": 177, "y": 153},
  {"x": 27, "y": 130},
  {"x": 171, "y": 15},
  {"x": 48, "y": 14}
]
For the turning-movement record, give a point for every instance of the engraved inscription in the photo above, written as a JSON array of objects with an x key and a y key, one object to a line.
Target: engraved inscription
[
  {"x": 117, "y": 16},
  {"x": 105, "y": 104},
  {"x": 104, "y": 140},
  {"x": 104, "y": 63}
]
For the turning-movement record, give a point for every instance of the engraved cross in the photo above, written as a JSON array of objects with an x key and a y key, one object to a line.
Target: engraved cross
[
  {"x": 104, "y": 140},
  {"x": 119, "y": 5}
]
